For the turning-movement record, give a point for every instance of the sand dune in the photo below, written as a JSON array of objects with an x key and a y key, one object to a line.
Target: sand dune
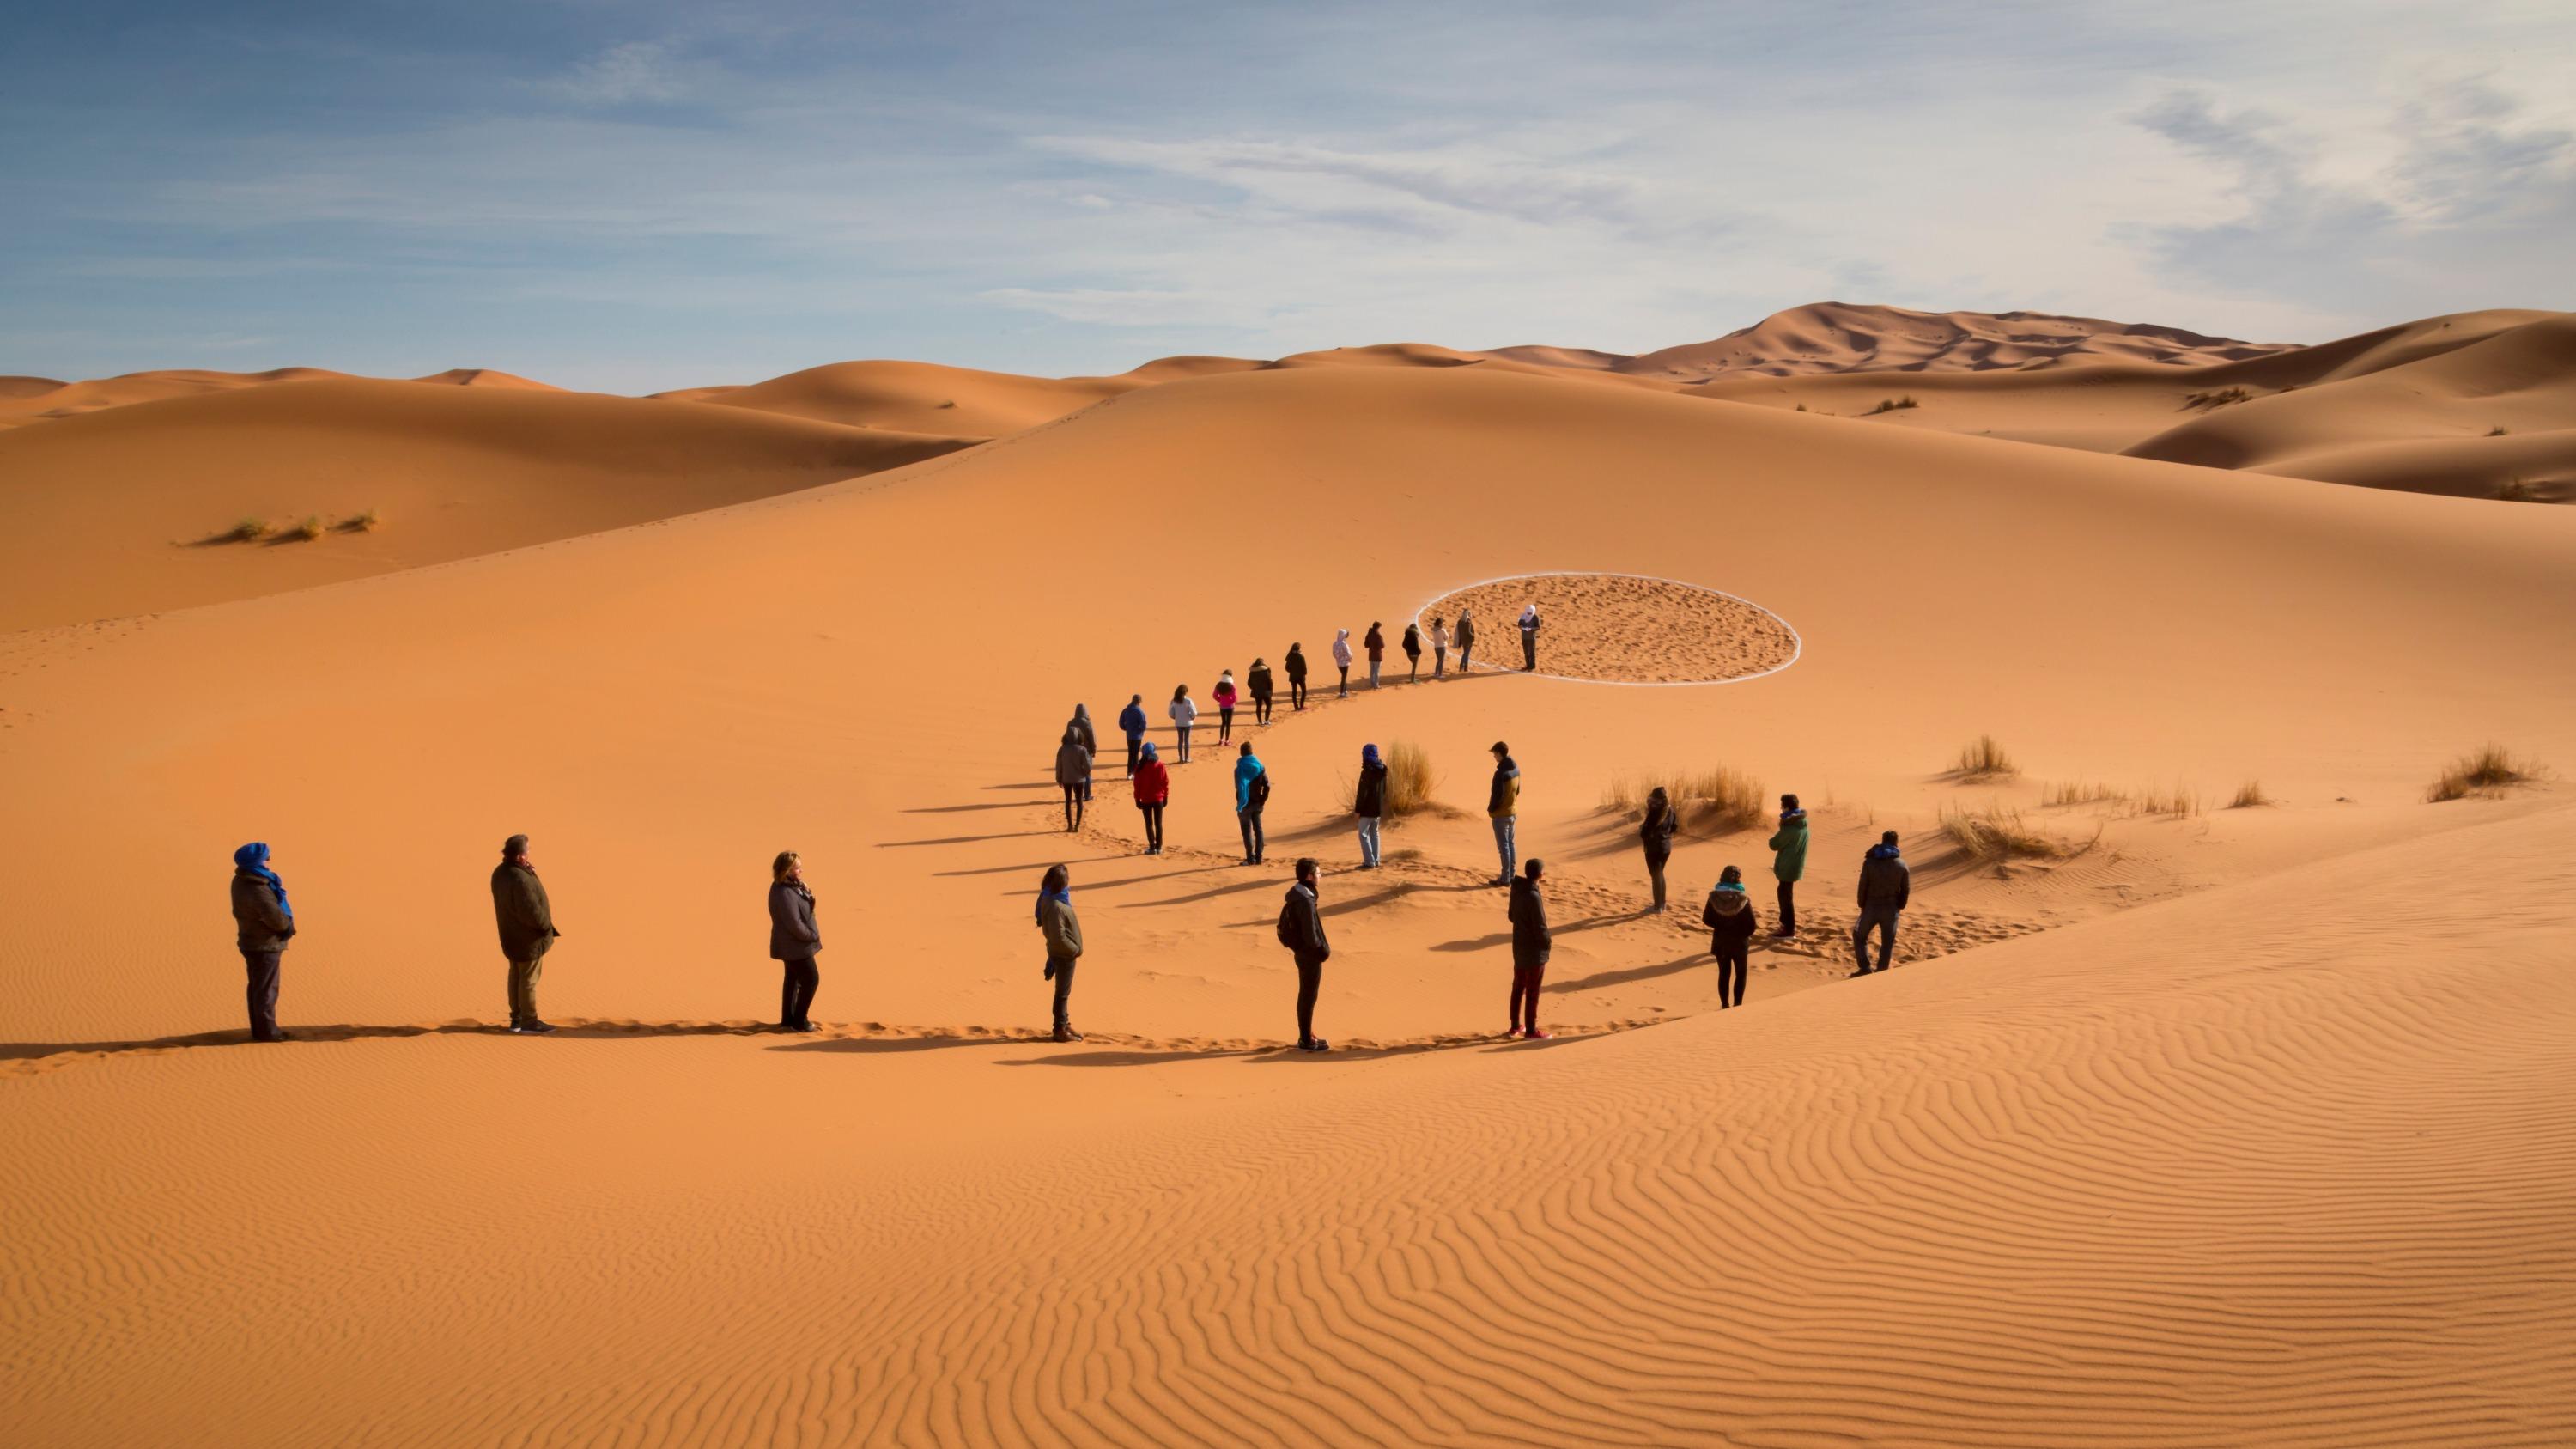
[
  {"x": 2238, "y": 1126},
  {"x": 918, "y": 397}
]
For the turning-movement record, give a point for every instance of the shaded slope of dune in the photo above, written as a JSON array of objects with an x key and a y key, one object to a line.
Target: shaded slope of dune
[{"x": 917, "y": 397}]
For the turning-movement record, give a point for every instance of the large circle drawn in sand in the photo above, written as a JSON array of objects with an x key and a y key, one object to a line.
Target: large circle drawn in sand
[{"x": 1621, "y": 629}]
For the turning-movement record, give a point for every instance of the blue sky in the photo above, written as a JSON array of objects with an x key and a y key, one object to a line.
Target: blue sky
[{"x": 641, "y": 196}]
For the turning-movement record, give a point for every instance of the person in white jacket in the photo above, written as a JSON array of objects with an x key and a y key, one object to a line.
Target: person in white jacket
[
  {"x": 1184, "y": 713},
  {"x": 1439, "y": 647},
  {"x": 1342, "y": 659}
]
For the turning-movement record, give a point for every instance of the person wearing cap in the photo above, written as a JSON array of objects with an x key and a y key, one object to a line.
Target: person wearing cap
[
  {"x": 1502, "y": 805},
  {"x": 527, "y": 922},
  {"x": 262, "y": 925}
]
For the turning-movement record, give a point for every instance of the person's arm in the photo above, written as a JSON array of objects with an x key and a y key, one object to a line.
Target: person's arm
[
  {"x": 1904, "y": 884},
  {"x": 1860, "y": 893},
  {"x": 265, "y": 913}
]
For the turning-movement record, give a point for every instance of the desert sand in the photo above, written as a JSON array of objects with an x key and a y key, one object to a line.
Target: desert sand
[{"x": 2246, "y": 1126}]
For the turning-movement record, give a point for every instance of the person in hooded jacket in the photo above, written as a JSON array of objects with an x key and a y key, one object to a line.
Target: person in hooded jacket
[
  {"x": 1184, "y": 712},
  {"x": 1251, "y": 794},
  {"x": 795, "y": 942},
  {"x": 1885, "y": 886},
  {"x": 1153, "y": 792},
  {"x": 1342, "y": 659},
  {"x": 1080, "y": 724},
  {"x": 1656, "y": 835},
  {"x": 1789, "y": 862},
  {"x": 1073, "y": 773},
  {"x": 1375, "y": 641},
  {"x": 1256, "y": 681},
  {"x": 1225, "y": 696},
  {"x": 1301, "y": 930},
  {"x": 1532, "y": 943},
  {"x": 1131, "y": 723},
  {"x": 527, "y": 922},
  {"x": 1439, "y": 648},
  {"x": 263, "y": 923},
  {"x": 1502, "y": 806},
  {"x": 1296, "y": 662},
  {"x": 1063, "y": 932},
  {"x": 1731, "y": 922},
  {"x": 1466, "y": 640},
  {"x": 1529, "y": 638},
  {"x": 1368, "y": 802},
  {"x": 1413, "y": 653}
]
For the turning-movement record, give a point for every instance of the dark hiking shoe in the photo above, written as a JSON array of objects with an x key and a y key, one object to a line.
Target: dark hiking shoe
[
  {"x": 274, "y": 1036},
  {"x": 1066, "y": 1033},
  {"x": 533, "y": 1027},
  {"x": 1318, "y": 1044}
]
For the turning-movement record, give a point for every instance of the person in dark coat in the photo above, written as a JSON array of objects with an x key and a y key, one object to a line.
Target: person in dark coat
[
  {"x": 1885, "y": 886},
  {"x": 1503, "y": 806},
  {"x": 1789, "y": 862},
  {"x": 1368, "y": 802},
  {"x": 1063, "y": 933},
  {"x": 1301, "y": 930},
  {"x": 1131, "y": 723},
  {"x": 1532, "y": 943},
  {"x": 1529, "y": 638},
  {"x": 527, "y": 922},
  {"x": 1080, "y": 724},
  {"x": 1657, "y": 837},
  {"x": 263, "y": 923},
  {"x": 1466, "y": 641},
  {"x": 1153, "y": 792},
  {"x": 1731, "y": 922},
  {"x": 1375, "y": 642},
  {"x": 795, "y": 941},
  {"x": 1296, "y": 662},
  {"x": 1256, "y": 682},
  {"x": 1073, "y": 776},
  {"x": 1413, "y": 653}
]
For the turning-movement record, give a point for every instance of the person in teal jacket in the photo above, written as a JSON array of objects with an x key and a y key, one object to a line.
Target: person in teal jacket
[
  {"x": 1251, "y": 792},
  {"x": 1789, "y": 861}
]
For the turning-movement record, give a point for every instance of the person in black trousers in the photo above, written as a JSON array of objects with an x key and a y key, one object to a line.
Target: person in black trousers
[
  {"x": 1657, "y": 836},
  {"x": 1532, "y": 944},
  {"x": 1063, "y": 933},
  {"x": 794, "y": 940},
  {"x": 1296, "y": 676},
  {"x": 1731, "y": 922},
  {"x": 1413, "y": 653},
  {"x": 1301, "y": 930},
  {"x": 1073, "y": 776},
  {"x": 262, "y": 925},
  {"x": 1256, "y": 682}
]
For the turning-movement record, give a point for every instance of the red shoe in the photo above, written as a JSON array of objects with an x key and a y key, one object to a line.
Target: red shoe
[
  {"x": 1542, "y": 1036},
  {"x": 1512, "y": 1033}
]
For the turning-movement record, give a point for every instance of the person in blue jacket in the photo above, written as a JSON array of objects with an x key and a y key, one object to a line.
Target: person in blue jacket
[
  {"x": 1251, "y": 792},
  {"x": 1131, "y": 721}
]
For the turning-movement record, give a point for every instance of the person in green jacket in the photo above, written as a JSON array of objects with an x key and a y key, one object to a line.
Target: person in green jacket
[
  {"x": 1789, "y": 862},
  {"x": 1063, "y": 933}
]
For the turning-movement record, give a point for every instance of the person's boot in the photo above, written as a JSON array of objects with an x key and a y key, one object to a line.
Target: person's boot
[
  {"x": 534, "y": 1026},
  {"x": 1064, "y": 1032}
]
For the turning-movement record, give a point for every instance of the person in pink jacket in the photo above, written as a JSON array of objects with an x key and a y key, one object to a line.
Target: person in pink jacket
[{"x": 1225, "y": 697}]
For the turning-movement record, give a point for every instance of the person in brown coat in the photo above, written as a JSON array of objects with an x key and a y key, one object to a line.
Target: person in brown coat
[
  {"x": 262, "y": 924},
  {"x": 1063, "y": 932},
  {"x": 527, "y": 922},
  {"x": 795, "y": 942}
]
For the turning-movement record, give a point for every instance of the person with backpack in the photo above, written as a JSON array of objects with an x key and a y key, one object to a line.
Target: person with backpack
[
  {"x": 1376, "y": 644},
  {"x": 527, "y": 922},
  {"x": 1529, "y": 638},
  {"x": 1369, "y": 803},
  {"x": 1257, "y": 680},
  {"x": 1153, "y": 792},
  {"x": 795, "y": 942},
  {"x": 1131, "y": 723},
  {"x": 262, "y": 925},
  {"x": 1731, "y": 922},
  {"x": 1225, "y": 696},
  {"x": 1301, "y": 930},
  {"x": 1089, "y": 739},
  {"x": 1789, "y": 862},
  {"x": 1062, "y": 931},
  {"x": 1657, "y": 837},
  {"x": 1439, "y": 648},
  {"x": 1413, "y": 653},
  {"x": 1296, "y": 662},
  {"x": 1532, "y": 943},
  {"x": 1073, "y": 775},
  {"x": 1466, "y": 640},
  {"x": 1342, "y": 660},
  {"x": 1502, "y": 806},
  {"x": 1885, "y": 886},
  {"x": 1251, "y": 793},
  {"x": 1184, "y": 712}
]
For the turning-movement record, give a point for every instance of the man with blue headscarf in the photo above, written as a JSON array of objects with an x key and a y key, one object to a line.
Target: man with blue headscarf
[{"x": 264, "y": 922}]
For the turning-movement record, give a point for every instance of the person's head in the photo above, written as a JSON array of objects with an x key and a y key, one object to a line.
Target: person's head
[
  {"x": 1377, "y": 623},
  {"x": 1533, "y": 868},
  {"x": 1296, "y": 648},
  {"x": 1888, "y": 838},
  {"x": 251, "y": 856},
  {"x": 1058, "y": 877},
  {"x": 1072, "y": 736},
  {"x": 1788, "y": 803},
  {"x": 1244, "y": 749},
  {"x": 1368, "y": 754},
  {"x": 1082, "y": 711},
  {"x": 1730, "y": 876},
  {"x": 515, "y": 850},
  {"x": 1180, "y": 691},
  {"x": 1149, "y": 750},
  {"x": 1135, "y": 699},
  {"x": 1305, "y": 870},
  {"x": 1225, "y": 674},
  {"x": 1657, "y": 802},
  {"x": 1501, "y": 750},
  {"x": 789, "y": 866},
  {"x": 1256, "y": 661}
]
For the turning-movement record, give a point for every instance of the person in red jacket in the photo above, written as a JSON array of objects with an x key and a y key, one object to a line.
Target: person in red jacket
[{"x": 1153, "y": 792}]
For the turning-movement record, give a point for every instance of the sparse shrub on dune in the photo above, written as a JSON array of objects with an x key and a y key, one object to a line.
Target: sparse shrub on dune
[
  {"x": 2081, "y": 792},
  {"x": 1894, "y": 404},
  {"x": 246, "y": 531},
  {"x": 1984, "y": 758},
  {"x": 2485, "y": 771},
  {"x": 2514, "y": 490},
  {"x": 362, "y": 523},
  {"x": 2180, "y": 802},
  {"x": 2249, "y": 795},
  {"x": 1998, "y": 834},
  {"x": 1409, "y": 780},
  {"x": 2218, "y": 399},
  {"x": 1711, "y": 801},
  {"x": 308, "y": 530},
  {"x": 2498, "y": 431}
]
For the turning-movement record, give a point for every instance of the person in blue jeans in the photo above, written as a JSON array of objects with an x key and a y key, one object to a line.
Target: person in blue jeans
[
  {"x": 1503, "y": 804},
  {"x": 1131, "y": 722},
  {"x": 1251, "y": 793},
  {"x": 1885, "y": 886}
]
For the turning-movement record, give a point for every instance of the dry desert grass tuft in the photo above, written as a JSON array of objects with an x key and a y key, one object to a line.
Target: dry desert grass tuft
[
  {"x": 2498, "y": 431},
  {"x": 307, "y": 530},
  {"x": 2249, "y": 795},
  {"x": 1714, "y": 800},
  {"x": 1894, "y": 404},
  {"x": 2081, "y": 792},
  {"x": 2482, "y": 772},
  {"x": 1409, "y": 779},
  {"x": 2181, "y": 801},
  {"x": 2514, "y": 490},
  {"x": 1984, "y": 758},
  {"x": 2218, "y": 399},
  {"x": 364, "y": 523},
  {"x": 1998, "y": 834},
  {"x": 246, "y": 531}
]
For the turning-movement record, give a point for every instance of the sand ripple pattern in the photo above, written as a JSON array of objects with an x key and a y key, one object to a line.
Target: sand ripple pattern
[{"x": 1623, "y": 628}]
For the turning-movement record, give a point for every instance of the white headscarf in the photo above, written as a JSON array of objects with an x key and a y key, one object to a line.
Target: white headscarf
[{"x": 1529, "y": 613}]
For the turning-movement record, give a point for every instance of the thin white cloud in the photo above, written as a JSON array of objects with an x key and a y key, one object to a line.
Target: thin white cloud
[{"x": 628, "y": 73}]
